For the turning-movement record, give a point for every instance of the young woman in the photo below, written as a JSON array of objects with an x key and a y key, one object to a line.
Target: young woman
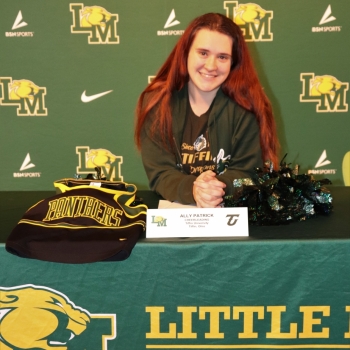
[{"x": 205, "y": 120}]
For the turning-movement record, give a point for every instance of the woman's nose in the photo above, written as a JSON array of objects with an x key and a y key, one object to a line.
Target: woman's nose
[{"x": 210, "y": 63}]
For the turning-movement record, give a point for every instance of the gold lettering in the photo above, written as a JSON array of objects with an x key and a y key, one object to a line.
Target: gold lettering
[
  {"x": 97, "y": 211},
  {"x": 89, "y": 207},
  {"x": 187, "y": 312},
  {"x": 106, "y": 218},
  {"x": 208, "y": 156},
  {"x": 347, "y": 335},
  {"x": 69, "y": 207},
  {"x": 202, "y": 155},
  {"x": 214, "y": 325},
  {"x": 51, "y": 212},
  {"x": 76, "y": 206},
  {"x": 276, "y": 312},
  {"x": 155, "y": 324},
  {"x": 187, "y": 146},
  {"x": 248, "y": 314},
  {"x": 80, "y": 210},
  {"x": 116, "y": 221},
  {"x": 309, "y": 321},
  {"x": 185, "y": 157},
  {"x": 60, "y": 208}
]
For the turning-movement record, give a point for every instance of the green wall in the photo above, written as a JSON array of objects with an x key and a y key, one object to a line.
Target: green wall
[{"x": 53, "y": 51}]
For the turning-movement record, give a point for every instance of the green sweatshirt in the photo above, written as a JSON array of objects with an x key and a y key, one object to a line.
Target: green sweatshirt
[{"x": 233, "y": 132}]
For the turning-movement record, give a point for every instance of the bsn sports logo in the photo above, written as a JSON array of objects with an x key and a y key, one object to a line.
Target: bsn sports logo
[
  {"x": 19, "y": 23},
  {"x": 26, "y": 95},
  {"x": 26, "y": 165},
  {"x": 100, "y": 24},
  {"x": 326, "y": 18},
  {"x": 254, "y": 21},
  {"x": 37, "y": 317},
  {"x": 170, "y": 22},
  {"x": 322, "y": 161},
  {"x": 327, "y": 91},
  {"x": 108, "y": 162}
]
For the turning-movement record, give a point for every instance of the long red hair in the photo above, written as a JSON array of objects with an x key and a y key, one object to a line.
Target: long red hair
[{"x": 242, "y": 85}]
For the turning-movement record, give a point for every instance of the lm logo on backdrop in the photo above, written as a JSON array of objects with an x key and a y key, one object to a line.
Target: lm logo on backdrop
[
  {"x": 38, "y": 317},
  {"x": 103, "y": 158},
  {"x": 326, "y": 91},
  {"x": 28, "y": 97},
  {"x": 96, "y": 21},
  {"x": 254, "y": 21}
]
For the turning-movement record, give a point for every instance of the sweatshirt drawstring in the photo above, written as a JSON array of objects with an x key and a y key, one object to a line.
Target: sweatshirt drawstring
[
  {"x": 216, "y": 146},
  {"x": 178, "y": 156}
]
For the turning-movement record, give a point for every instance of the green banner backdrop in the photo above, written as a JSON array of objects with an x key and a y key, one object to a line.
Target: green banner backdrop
[{"x": 71, "y": 73}]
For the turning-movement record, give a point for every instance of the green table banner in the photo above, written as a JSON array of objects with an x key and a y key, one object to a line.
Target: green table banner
[
  {"x": 71, "y": 74},
  {"x": 182, "y": 295}
]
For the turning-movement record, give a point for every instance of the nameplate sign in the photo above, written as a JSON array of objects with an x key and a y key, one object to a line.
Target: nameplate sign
[{"x": 197, "y": 222}]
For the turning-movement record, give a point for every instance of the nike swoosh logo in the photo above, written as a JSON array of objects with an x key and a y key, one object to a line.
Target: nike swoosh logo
[{"x": 85, "y": 98}]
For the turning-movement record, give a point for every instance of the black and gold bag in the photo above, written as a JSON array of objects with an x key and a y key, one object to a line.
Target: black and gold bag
[{"x": 88, "y": 221}]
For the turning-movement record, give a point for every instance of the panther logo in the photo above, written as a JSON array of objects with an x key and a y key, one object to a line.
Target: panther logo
[
  {"x": 254, "y": 21},
  {"x": 249, "y": 13},
  {"x": 109, "y": 163},
  {"x": 100, "y": 24},
  {"x": 27, "y": 96},
  {"x": 33, "y": 317},
  {"x": 325, "y": 84},
  {"x": 22, "y": 89},
  {"x": 94, "y": 15},
  {"x": 100, "y": 158},
  {"x": 327, "y": 91}
]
